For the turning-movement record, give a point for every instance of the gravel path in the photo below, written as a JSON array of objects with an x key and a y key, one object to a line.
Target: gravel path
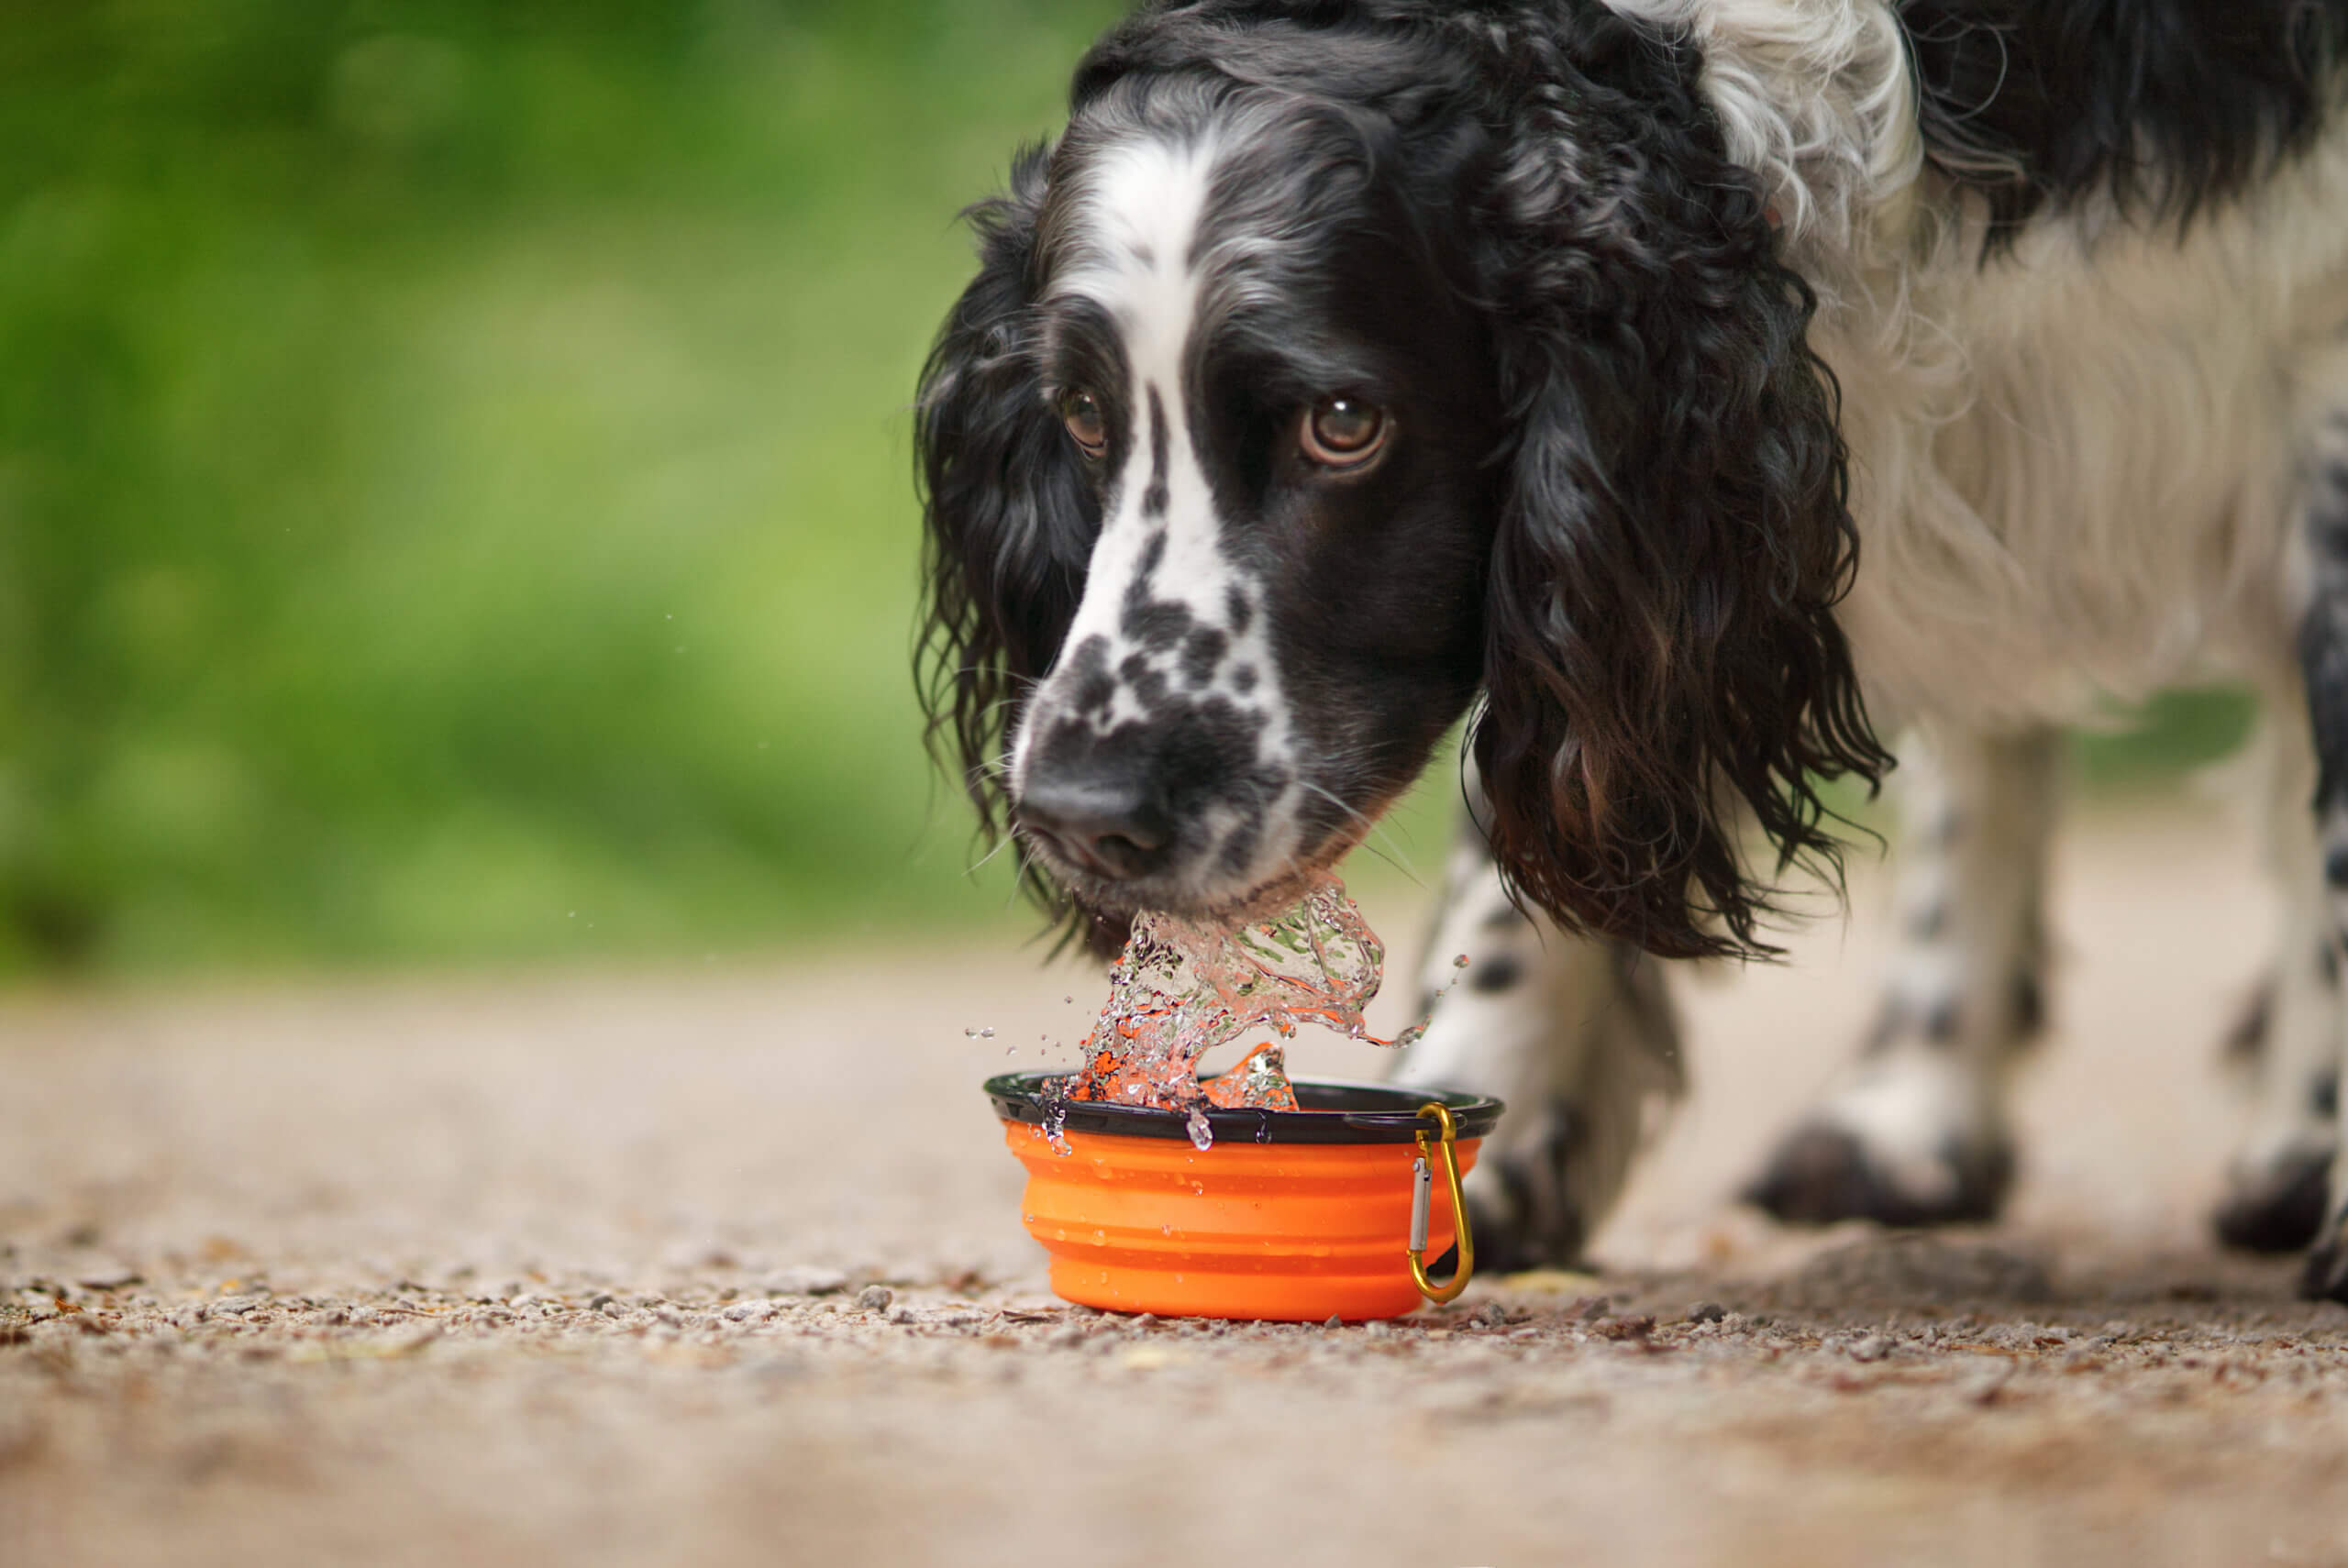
[{"x": 625, "y": 1270}]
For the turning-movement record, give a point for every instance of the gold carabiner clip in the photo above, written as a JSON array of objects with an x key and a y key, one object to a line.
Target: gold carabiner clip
[{"x": 1422, "y": 1180}]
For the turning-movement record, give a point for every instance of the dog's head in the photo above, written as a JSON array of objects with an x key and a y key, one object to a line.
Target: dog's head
[{"x": 1336, "y": 367}]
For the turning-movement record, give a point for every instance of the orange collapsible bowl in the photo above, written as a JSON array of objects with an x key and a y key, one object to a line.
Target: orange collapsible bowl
[{"x": 1299, "y": 1215}]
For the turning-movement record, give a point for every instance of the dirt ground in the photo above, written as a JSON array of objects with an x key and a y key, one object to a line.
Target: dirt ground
[{"x": 725, "y": 1267}]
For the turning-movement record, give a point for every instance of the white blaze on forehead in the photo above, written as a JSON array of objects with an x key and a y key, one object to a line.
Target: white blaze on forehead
[
  {"x": 1137, "y": 224},
  {"x": 1135, "y": 230}
]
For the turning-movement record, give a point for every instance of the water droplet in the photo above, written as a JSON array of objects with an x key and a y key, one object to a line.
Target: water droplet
[
  {"x": 971, "y": 1032},
  {"x": 1460, "y": 962},
  {"x": 986, "y": 1033},
  {"x": 1202, "y": 1129}
]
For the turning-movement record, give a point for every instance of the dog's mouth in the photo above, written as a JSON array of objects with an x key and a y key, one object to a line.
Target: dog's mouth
[{"x": 1168, "y": 894}]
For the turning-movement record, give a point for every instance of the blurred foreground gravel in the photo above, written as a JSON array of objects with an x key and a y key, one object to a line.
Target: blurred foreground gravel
[{"x": 726, "y": 1268}]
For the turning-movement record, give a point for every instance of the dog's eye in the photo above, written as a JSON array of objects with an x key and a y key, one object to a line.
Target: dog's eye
[
  {"x": 1087, "y": 426},
  {"x": 1343, "y": 432}
]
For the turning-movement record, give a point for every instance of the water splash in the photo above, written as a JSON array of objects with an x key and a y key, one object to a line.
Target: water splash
[{"x": 1180, "y": 989}]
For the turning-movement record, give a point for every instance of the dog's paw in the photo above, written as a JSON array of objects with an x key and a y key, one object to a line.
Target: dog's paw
[
  {"x": 2326, "y": 1276},
  {"x": 1824, "y": 1172},
  {"x": 2277, "y": 1205},
  {"x": 1520, "y": 1206}
]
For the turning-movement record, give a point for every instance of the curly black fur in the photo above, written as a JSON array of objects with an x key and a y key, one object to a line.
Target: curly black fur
[
  {"x": 1661, "y": 626},
  {"x": 1011, "y": 520},
  {"x": 2166, "y": 105}
]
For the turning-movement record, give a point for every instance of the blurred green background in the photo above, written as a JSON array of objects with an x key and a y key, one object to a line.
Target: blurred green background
[{"x": 454, "y": 496}]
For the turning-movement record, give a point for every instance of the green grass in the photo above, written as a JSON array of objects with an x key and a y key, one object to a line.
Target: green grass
[
  {"x": 453, "y": 472},
  {"x": 454, "y": 484}
]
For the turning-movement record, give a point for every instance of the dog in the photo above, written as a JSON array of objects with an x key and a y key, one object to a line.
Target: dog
[{"x": 1688, "y": 393}]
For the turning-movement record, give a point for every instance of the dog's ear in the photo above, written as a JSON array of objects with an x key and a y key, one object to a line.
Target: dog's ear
[
  {"x": 1662, "y": 650},
  {"x": 1010, "y": 519}
]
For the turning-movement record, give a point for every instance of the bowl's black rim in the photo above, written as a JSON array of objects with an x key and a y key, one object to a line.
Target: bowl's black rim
[{"x": 1390, "y": 1117}]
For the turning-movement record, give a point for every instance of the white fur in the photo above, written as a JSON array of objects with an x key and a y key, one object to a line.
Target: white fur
[
  {"x": 1930, "y": 1085},
  {"x": 1136, "y": 228},
  {"x": 2073, "y": 467},
  {"x": 1567, "y": 1037},
  {"x": 2303, "y": 1019},
  {"x": 2077, "y": 475}
]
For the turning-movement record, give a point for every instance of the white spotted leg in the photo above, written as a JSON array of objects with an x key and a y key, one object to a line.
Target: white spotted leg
[
  {"x": 2277, "y": 1181},
  {"x": 2323, "y": 664},
  {"x": 1576, "y": 1035},
  {"x": 1914, "y": 1131}
]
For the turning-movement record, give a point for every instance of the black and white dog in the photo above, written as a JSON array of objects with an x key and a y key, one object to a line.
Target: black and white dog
[{"x": 1691, "y": 390}]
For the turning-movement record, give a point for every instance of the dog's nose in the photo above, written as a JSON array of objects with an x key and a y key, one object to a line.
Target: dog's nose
[{"x": 1109, "y": 830}]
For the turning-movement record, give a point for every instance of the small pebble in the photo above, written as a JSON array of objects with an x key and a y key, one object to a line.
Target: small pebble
[
  {"x": 1627, "y": 1328},
  {"x": 1146, "y": 1322},
  {"x": 1875, "y": 1347},
  {"x": 805, "y": 1281},
  {"x": 1335, "y": 1322},
  {"x": 1707, "y": 1312},
  {"x": 901, "y": 1315},
  {"x": 609, "y": 1306},
  {"x": 875, "y": 1298},
  {"x": 600, "y": 1300}
]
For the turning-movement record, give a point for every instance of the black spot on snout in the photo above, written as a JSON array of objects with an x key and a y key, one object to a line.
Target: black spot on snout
[
  {"x": 1156, "y": 625},
  {"x": 1149, "y": 687},
  {"x": 1237, "y": 610},
  {"x": 1090, "y": 686},
  {"x": 1202, "y": 653}
]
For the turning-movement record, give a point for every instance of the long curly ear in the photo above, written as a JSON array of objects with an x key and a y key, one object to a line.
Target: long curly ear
[
  {"x": 1010, "y": 519},
  {"x": 1661, "y": 640}
]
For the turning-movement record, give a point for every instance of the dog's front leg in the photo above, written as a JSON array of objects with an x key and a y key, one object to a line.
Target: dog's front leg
[
  {"x": 1575, "y": 1033},
  {"x": 2279, "y": 1177},
  {"x": 2323, "y": 663},
  {"x": 1915, "y": 1133}
]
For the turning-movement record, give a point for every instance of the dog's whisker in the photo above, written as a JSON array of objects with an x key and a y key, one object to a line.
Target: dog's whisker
[
  {"x": 1371, "y": 827},
  {"x": 975, "y": 866}
]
